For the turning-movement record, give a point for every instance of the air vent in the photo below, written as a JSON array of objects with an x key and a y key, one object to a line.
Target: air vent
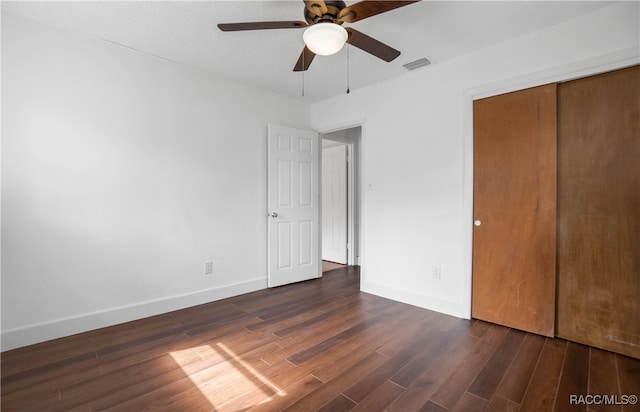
[{"x": 417, "y": 64}]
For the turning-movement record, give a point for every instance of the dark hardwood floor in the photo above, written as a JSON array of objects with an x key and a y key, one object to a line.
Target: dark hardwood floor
[
  {"x": 328, "y": 265},
  {"x": 317, "y": 345}
]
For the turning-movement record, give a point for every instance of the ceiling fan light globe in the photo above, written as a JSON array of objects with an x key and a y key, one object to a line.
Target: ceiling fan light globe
[{"x": 325, "y": 39}]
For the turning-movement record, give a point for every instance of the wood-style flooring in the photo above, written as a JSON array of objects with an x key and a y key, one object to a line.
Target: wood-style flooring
[
  {"x": 316, "y": 345},
  {"x": 328, "y": 265}
]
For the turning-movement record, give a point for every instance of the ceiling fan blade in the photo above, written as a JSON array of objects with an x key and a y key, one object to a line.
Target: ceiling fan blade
[
  {"x": 304, "y": 61},
  {"x": 262, "y": 25},
  {"x": 368, "y": 8},
  {"x": 371, "y": 45},
  {"x": 316, "y": 7}
]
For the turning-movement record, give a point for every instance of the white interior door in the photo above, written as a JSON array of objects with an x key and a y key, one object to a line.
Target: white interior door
[
  {"x": 334, "y": 203},
  {"x": 293, "y": 202}
]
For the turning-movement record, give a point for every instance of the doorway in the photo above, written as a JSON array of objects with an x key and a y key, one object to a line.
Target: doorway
[{"x": 340, "y": 217}]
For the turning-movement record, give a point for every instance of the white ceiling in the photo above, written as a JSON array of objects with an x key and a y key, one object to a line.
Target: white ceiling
[{"x": 186, "y": 32}]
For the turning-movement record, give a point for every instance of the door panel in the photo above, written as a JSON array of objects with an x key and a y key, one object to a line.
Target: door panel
[
  {"x": 514, "y": 247},
  {"x": 293, "y": 205},
  {"x": 334, "y": 203},
  {"x": 599, "y": 211}
]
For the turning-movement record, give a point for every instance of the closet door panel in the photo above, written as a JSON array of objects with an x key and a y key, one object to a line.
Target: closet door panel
[
  {"x": 599, "y": 211},
  {"x": 514, "y": 246}
]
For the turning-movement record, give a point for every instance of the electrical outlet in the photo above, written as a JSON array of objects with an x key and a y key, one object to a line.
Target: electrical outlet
[
  {"x": 208, "y": 267},
  {"x": 436, "y": 272}
]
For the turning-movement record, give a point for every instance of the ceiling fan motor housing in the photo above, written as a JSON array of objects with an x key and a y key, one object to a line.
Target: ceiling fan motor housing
[{"x": 331, "y": 16}]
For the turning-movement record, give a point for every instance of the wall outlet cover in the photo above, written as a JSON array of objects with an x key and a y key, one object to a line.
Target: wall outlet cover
[{"x": 208, "y": 267}]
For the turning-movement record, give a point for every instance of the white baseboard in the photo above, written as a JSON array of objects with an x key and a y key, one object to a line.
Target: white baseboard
[
  {"x": 447, "y": 307},
  {"x": 58, "y": 328}
]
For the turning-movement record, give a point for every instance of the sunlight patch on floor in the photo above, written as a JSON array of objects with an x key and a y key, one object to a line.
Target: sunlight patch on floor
[{"x": 222, "y": 376}]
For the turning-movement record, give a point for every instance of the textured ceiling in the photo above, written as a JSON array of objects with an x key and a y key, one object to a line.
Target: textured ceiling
[{"x": 186, "y": 32}]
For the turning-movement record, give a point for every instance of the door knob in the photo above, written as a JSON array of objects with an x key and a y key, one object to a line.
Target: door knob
[
  {"x": 477, "y": 223},
  {"x": 274, "y": 214}
]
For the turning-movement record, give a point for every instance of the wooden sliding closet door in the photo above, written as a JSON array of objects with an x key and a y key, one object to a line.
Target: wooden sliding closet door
[
  {"x": 599, "y": 211},
  {"x": 514, "y": 241}
]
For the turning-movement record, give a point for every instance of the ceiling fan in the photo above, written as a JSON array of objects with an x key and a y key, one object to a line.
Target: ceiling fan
[{"x": 324, "y": 34}]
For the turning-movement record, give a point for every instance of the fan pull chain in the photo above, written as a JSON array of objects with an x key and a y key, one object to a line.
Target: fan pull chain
[
  {"x": 348, "y": 71},
  {"x": 303, "y": 74}
]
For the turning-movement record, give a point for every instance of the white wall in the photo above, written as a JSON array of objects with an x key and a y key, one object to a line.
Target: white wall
[
  {"x": 121, "y": 175},
  {"x": 417, "y": 149}
]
